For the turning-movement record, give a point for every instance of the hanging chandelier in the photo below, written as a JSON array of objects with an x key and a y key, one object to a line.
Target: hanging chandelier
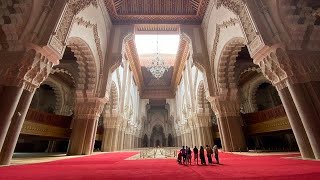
[{"x": 157, "y": 67}]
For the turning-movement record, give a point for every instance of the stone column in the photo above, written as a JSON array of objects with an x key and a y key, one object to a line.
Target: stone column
[
  {"x": 208, "y": 136},
  {"x": 110, "y": 137},
  {"x": 308, "y": 113},
  {"x": 296, "y": 70},
  {"x": 189, "y": 138},
  {"x": 121, "y": 140},
  {"x": 20, "y": 81},
  {"x": 107, "y": 140},
  {"x": 202, "y": 136},
  {"x": 25, "y": 70},
  {"x": 10, "y": 96},
  {"x": 87, "y": 113},
  {"x": 221, "y": 134},
  {"x": 115, "y": 142},
  {"x": 227, "y": 110},
  {"x": 129, "y": 141},
  {"x": 296, "y": 124},
  {"x": 51, "y": 146},
  {"x": 91, "y": 138},
  {"x": 15, "y": 127},
  {"x": 139, "y": 142}
]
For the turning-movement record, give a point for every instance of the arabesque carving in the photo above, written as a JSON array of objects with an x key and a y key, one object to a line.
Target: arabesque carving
[{"x": 30, "y": 71}]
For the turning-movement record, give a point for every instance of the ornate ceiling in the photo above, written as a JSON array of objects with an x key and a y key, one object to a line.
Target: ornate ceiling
[
  {"x": 156, "y": 11},
  {"x": 149, "y": 86}
]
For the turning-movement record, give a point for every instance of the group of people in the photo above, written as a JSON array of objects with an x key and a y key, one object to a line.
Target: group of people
[{"x": 185, "y": 155}]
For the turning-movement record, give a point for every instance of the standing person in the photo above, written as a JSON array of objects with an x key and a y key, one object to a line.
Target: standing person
[
  {"x": 183, "y": 152},
  {"x": 189, "y": 152},
  {"x": 195, "y": 153},
  {"x": 209, "y": 153},
  {"x": 216, "y": 153},
  {"x": 203, "y": 160}
]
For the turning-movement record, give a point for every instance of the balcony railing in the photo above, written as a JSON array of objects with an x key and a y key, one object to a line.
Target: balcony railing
[
  {"x": 48, "y": 119},
  {"x": 265, "y": 115}
]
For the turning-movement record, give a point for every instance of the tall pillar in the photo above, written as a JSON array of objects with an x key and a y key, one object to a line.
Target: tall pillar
[
  {"x": 28, "y": 72},
  {"x": 296, "y": 70},
  {"x": 107, "y": 140},
  {"x": 15, "y": 127},
  {"x": 87, "y": 113},
  {"x": 116, "y": 138},
  {"x": 10, "y": 96},
  {"x": 296, "y": 124},
  {"x": 51, "y": 146},
  {"x": 227, "y": 110},
  {"x": 308, "y": 113},
  {"x": 221, "y": 134},
  {"x": 121, "y": 140},
  {"x": 91, "y": 137}
]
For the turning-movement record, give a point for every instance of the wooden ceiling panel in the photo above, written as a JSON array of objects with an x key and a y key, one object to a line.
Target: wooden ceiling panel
[{"x": 156, "y": 11}]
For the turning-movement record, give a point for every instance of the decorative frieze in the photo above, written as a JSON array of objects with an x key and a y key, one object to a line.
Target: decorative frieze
[
  {"x": 32, "y": 128},
  {"x": 72, "y": 8},
  {"x": 219, "y": 27},
  {"x": 278, "y": 124},
  {"x": 88, "y": 24}
]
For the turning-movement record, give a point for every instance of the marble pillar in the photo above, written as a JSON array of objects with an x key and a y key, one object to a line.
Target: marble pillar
[
  {"x": 108, "y": 141},
  {"x": 15, "y": 127},
  {"x": 85, "y": 126},
  {"x": 9, "y": 96},
  {"x": 305, "y": 105},
  {"x": 233, "y": 133},
  {"x": 296, "y": 124}
]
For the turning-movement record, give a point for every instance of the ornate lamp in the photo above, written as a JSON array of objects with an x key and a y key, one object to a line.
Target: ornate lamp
[{"x": 157, "y": 66}]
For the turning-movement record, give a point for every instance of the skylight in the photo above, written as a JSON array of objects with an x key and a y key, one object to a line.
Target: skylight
[{"x": 147, "y": 44}]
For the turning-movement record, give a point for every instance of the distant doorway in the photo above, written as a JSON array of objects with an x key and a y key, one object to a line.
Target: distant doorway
[
  {"x": 157, "y": 137},
  {"x": 145, "y": 141},
  {"x": 170, "y": 141},
  {"x": 157, "y": 142}
]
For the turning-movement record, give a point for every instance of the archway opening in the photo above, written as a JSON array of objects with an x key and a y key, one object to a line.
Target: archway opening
[
  {"x": 267, "y": 97},
  {"x": 145, "y": 141},
  {"x": 44, "y": 99},
  {"x": 157, "y": 137},
  {"x": 170, "y": 141}
]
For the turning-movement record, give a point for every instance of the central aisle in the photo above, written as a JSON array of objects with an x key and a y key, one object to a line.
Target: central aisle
[{"x": 114, "y": 166}]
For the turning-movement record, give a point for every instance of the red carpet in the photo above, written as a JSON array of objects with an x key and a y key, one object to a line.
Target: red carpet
[{"x": 113, "y": 166}]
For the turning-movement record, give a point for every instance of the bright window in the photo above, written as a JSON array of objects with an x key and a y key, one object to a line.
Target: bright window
[{"x": 147, "y": 44}]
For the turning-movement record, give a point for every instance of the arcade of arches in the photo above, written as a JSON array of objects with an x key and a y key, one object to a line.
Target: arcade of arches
[{"x": 245, "y": 76}]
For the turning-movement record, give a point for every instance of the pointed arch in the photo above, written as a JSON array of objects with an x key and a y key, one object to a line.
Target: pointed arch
[
  {"x": 57, "y": 92},
  {"x": 202, "y": 102},
  {"x": 87, "y": 76},
  {"x": 226, "y": 80}
]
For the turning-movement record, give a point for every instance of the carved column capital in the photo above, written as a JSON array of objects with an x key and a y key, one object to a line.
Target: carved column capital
[
  {"x": 29, "y": 71},
  {"x": 224, "y": 106},
  {"x": 204, "y": 120},
  {"x": 281, "y": 66},
  {"x": 89, "y": 108}
]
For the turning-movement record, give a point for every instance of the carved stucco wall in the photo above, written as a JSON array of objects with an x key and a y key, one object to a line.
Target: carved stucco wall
[
  {"x": 247, "y": 93},
  {"x": 213, "y": 18},
  {"x": 93, "y": 25}
]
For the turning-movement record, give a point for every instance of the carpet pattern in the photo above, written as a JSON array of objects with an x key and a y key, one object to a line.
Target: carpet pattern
[{"x": 114, "y": 166}]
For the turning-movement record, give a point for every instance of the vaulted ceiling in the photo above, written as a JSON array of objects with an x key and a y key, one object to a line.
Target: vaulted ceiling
[
  {"x": 156, "y": 11},
  {"x": 153, "y": 16},
  {"x": 149, "y": 86}
]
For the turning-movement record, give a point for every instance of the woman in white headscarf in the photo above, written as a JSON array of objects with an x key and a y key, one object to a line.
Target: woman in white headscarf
[{"x": 216, "y": 153}]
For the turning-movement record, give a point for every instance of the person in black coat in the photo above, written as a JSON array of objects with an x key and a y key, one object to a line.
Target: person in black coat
[{"x": 202, "y": 158}]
